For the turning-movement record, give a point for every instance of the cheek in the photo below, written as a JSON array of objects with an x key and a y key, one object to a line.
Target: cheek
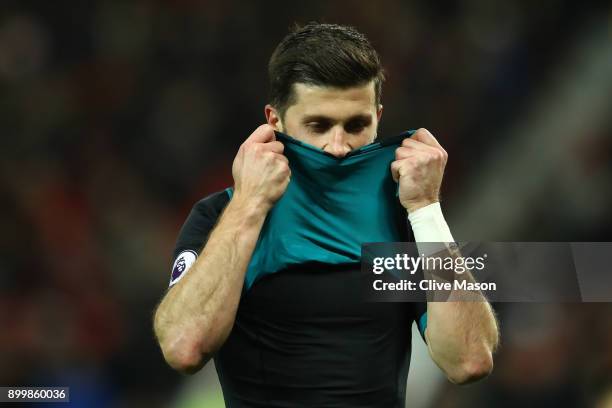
[
  {"x": 367, "y": 136},
  {"x": 292, "y": 128},
  {"x": 317, "y": 141}
]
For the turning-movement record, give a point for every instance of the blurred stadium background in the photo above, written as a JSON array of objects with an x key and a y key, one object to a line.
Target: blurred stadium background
[{"x": 117, "y": 116}]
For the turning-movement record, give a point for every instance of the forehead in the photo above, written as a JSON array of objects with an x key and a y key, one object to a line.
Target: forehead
[{"x": 330, "y": 101}]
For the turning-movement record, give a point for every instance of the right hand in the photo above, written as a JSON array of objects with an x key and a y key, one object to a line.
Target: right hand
[{"x": 260, "y": 170}]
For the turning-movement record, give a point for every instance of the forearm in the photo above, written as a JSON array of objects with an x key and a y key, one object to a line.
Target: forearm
[
  {"x": 462, "y": 331},
  {"x": 462, "y": 337},
  {"x": 197, "y": 314}
]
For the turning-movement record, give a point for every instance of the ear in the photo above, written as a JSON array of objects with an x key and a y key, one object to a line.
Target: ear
[
  {"x": 273, "y": 118},
  {"x": 379, "y": 112}
]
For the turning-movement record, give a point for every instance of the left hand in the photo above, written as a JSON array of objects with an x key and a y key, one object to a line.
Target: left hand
[{"x": 419, "y": 167}]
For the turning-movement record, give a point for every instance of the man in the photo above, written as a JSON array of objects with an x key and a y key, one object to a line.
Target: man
[{"x": 304, "y": 336}]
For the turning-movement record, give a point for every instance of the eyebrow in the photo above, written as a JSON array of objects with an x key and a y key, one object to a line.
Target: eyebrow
[{"x": 323, "y": 118}]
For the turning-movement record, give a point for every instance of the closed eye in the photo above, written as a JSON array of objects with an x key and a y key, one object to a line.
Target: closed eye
[
  {"x": 320, "y": 124},
  {"x": 357, "y": 125},
  {"x": 318, "y": 127}
]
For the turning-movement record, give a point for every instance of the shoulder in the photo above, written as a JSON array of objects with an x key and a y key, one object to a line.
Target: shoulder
[
  {"x": 201, "y": 220},
  {"x": 195, "y": 231},
  {"x": 212, "y": 205}
]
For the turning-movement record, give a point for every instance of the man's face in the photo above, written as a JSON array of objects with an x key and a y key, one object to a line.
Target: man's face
[{"x": 335, "y": 120}]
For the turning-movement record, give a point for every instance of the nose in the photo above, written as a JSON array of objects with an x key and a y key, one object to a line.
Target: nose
[{"x": 338, "y": 144}]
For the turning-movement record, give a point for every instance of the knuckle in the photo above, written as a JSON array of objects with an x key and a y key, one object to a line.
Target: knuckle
[
  {"x": 256, "y": 147},
  {"x": 402, "y": 152},
  {"x": 435, "y": 156}
]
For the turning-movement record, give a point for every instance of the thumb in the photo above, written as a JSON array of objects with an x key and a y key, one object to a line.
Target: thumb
[
  {"x": 424, "y": 136},
  {"x": 263, "y": 134},
  {"x": 395, "y": 166}
]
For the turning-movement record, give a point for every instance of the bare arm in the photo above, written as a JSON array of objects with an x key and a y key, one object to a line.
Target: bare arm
[
  {"x": 461, "y": 335},
  {"x": 462, "y": 332},
  {"x": 197, "y": 314}
]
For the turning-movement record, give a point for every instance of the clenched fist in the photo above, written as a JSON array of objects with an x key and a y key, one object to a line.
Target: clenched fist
[
  {"x": 419, "y": 167},
  {"x": 260, "y": 170}
]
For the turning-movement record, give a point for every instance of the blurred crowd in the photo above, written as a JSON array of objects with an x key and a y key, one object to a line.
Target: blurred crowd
[{"x": 118, "y": 116}]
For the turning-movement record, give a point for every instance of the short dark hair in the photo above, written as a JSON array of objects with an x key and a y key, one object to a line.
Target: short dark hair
[{"x": 323, "y": 55}]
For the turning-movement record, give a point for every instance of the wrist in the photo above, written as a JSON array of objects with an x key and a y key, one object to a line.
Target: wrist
[
  {"x": 249, "y": 209},
  {"x": 428, "y": 224},
  {"x": 416, "y": 205}
]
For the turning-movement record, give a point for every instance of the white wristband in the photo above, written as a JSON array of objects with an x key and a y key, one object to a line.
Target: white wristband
[{"x": 428, "y": 225}]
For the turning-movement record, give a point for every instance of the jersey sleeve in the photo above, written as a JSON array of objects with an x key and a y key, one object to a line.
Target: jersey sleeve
[
  {"x": 195, "y": 231},
  {"x": 421, "y": 318}
]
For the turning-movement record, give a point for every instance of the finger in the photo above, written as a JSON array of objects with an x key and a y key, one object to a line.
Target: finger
[
  {"x": 417, "y": 145},
  {"x": 274, "y": 147},
  {"x": 276, "y": 157},
  {"x": 263, "y": 134},
  {"x": 395, "y": 166},
  {"x": 424, "y": 136},
  {"x": 281, "y": 157},
  {"x": 405, "y": 152},
  {"x": 420, "y": 150}
]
